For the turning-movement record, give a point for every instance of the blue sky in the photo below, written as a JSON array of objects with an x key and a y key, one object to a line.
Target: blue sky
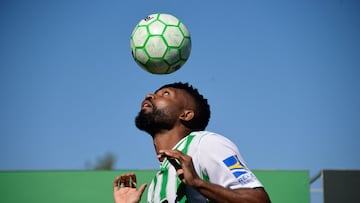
[{"x": 282, "y": 79}]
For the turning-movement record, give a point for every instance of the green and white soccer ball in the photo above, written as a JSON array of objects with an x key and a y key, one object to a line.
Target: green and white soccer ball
[{"x": 160, "y": 43}]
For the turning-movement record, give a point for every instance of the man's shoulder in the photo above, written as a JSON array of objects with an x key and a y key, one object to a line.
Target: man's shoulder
[
  {"x": 204, "y": 133},
  {"x": 207, "y": 136}
]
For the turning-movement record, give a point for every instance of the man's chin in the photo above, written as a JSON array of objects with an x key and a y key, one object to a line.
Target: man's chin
[{"x": 146, "y": 109}]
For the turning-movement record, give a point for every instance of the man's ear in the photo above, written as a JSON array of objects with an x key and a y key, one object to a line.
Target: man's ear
[{"x": 187, "y": 115}]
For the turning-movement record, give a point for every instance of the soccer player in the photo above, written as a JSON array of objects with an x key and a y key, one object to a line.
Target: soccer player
[{"x": 196, "y": 165}]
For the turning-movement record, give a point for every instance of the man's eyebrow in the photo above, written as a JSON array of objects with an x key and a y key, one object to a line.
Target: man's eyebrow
[
  {"x": 158, "y": 90},
  {"x": 165, "y": 88}
]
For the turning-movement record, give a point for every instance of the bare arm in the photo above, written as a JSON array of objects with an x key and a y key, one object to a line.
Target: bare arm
[{"x": 217, "y": 193}]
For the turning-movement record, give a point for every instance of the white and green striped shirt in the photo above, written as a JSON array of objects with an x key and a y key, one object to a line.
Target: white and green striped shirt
[{"x": 216, "y": 159}]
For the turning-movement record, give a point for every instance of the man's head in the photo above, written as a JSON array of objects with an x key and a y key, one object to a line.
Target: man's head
[{"x": 173, "y": 103}]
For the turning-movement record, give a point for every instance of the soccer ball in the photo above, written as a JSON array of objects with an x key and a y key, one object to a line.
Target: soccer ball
[{"x": 160, "y": 43}]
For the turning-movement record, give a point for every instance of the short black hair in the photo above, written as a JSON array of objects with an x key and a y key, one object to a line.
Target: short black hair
[{"x": 202, "y": 112}]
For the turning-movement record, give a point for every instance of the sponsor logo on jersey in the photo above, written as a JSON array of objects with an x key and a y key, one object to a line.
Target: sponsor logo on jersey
[{"x": 238, "y": 169}]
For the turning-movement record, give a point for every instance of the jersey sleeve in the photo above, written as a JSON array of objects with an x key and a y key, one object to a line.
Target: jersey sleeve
[{"x": 220, "y": 161}]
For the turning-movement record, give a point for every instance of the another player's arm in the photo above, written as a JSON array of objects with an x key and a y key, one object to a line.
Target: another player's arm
[{"x": 217, "y": 193}]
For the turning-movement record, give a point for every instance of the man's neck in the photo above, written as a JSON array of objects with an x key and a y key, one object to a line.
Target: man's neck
[{"x": 168, "y": 139}]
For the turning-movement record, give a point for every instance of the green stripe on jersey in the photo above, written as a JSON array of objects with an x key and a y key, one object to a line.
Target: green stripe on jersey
[{"x": 164, "y": 173}]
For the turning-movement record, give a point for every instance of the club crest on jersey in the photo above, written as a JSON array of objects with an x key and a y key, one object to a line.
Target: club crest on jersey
[{"x": 235, "y": 166}]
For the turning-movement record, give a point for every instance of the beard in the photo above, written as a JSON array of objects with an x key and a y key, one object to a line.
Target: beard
[{"x": 154, "y": 121}]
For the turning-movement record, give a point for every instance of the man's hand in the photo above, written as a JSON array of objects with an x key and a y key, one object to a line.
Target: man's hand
[
  {"x": 187, "y": 174},
  {"x": 183, "y": 165},
  {"x": 125, "y": 189}
]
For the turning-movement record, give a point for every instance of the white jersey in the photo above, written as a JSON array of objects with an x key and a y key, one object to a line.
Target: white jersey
[{"x": 216, "y": 159}]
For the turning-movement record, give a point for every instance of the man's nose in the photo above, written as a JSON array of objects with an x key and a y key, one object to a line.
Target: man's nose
[{"x": 150, "y": 96}]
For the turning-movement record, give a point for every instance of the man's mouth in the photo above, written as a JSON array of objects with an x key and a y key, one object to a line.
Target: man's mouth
[{"x": 146, "y": 104}]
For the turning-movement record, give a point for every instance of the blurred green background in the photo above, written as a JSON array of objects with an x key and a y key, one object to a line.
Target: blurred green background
[{"x": 283, "y": 186}]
